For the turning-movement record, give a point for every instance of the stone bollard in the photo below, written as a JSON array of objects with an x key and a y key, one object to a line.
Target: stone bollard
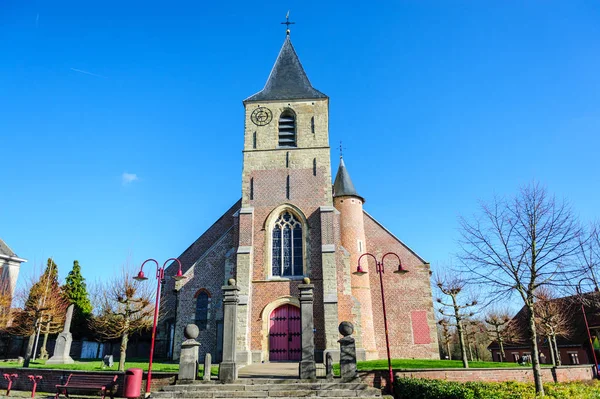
[
  {"x": 347, "y": 352},
  {"x": 228, "y": 367},
  {"x": 307, "y": 366},
  {"x": 207, "y": 366},
  {"x": 188, "y": 359},
  {"x": 329, "y": 366}
]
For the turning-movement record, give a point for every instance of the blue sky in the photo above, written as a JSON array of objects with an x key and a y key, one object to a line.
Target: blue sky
[{"x": 439, "y": 104}]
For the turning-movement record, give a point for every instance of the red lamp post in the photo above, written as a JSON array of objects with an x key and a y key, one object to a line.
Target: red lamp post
[
  {"x": 160, "y": 275},
  {"x": 380, "y": 270},
  {"x": 587, "y": 327}
]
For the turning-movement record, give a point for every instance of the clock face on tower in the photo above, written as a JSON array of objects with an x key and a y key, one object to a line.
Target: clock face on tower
[{"x": 261, "y": 116}]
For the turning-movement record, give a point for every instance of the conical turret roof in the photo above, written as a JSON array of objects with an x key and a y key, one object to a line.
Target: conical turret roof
[
  {"x": 343, "y": 184},
  {"x": 287, "y": 80}
]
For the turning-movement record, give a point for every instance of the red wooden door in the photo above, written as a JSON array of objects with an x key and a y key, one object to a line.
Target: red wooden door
[{"x": 285, "y": 334}]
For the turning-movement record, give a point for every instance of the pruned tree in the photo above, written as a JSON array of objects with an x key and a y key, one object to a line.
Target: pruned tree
[
  {"x": 43, "y": 303},
  {"x": 6, "y": 313},
  {"x": 519, "y": 245},
  {"x": 123, "y": 309},
  {"x": 457, "y": 312},
  {"x": 553, "y": 319},
  {"x": 498, "y": 321}
]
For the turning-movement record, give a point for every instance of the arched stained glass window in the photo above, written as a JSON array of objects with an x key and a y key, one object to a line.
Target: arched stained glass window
[
  {"x": 202, "y": 308},
  {"x": 287, "y": 257}
]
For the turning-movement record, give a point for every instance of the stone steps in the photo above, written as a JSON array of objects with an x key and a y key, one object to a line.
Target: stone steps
[{"x": 269, "y": 388}]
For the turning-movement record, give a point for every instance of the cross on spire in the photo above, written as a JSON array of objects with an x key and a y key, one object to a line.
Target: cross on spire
[
  {"x": 287, "y": 23},
  {"x": 341, "y": 149}
]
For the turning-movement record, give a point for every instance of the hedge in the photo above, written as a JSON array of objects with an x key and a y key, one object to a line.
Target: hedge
[{"x": 414, "y": 388}]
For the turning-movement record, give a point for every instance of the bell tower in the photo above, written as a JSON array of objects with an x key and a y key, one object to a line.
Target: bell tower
[{"x": 286, "y": 138}]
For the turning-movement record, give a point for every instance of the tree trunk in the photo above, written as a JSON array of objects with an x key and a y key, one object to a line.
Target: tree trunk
[
  {"x": 551, "y": 351},
  {"x": 44, "y": 351},
  {"x": 470, "y": 351},
  {"x": 448, "y": 350},
  {"x": 123, "y": 352},
  {"x": 29, "y": 350},
  {"x": 535, "y": 355},
  {"x": 463, "y": 349},
  {"x": 553, "y": 342},
  {"x": 502, "y": 354}
]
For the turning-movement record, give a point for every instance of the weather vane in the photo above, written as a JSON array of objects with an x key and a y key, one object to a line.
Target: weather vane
[
  {"x": 341, "y": 149},
  {"x": 287, "y": 23}
]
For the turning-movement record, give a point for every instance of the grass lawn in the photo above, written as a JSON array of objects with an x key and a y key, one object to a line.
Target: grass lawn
[
  {"x": 96, "y": 365},
  {"x": 398, "y": 364}
]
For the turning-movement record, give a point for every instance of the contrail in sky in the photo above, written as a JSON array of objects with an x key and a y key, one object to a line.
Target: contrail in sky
[{"x": 87, "y": 73}]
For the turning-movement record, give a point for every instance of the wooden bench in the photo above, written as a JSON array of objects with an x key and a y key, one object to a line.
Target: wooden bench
[{"x": 97, "y": 382}]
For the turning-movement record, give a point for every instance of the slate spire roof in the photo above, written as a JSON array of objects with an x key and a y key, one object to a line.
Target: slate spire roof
[
  {"x": 287, "y": 80},
  {"x": 5, "y": 249},
  {"x": 343, "y": 184}
]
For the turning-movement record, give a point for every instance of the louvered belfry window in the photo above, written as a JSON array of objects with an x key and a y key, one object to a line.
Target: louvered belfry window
[
  {"x": 287, "y": 129},
  {"x": 287, "y": 246}
]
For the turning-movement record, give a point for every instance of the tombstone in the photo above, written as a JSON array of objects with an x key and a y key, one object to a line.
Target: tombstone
[
  {"x": 188, "y": 359},
  {"x": 329, "y": 366},
  {"x": 108, "y": 361},
  {"x": 228, "y": 366},
  {"x": 63, "y": 342},
  {"x": 347, "y": 352},
  {"x": 207, "y": 366},
  {"x": 307, "y": 366}
]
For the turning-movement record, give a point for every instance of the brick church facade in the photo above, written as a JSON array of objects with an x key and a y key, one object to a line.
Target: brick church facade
[{"x": 292, "y": 223}]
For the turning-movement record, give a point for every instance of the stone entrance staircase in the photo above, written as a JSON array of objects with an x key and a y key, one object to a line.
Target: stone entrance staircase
[{"x": 269, "y": 388}]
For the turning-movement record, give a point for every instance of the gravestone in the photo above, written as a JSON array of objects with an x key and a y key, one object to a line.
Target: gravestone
[
  {"x": 347, "y": 352},
  {"x": 62, "y": 348},
  {"x": 207, "y": 366},
  {"x": 188, "y": 359}
]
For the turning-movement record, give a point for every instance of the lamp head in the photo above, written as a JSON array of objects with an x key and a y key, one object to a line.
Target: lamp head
[
  {"x": 359, "y": 271},
  {"x": 140, "y": 276},
  {"x": 179, "y": 276},
  {"x": 400, "y": 269}
]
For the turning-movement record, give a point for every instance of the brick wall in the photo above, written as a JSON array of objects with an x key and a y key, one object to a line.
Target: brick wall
[
  {"x": 406, "y": 295},
  {"x": 379, "y": 378},
  {"x": 52, "y": 377}
]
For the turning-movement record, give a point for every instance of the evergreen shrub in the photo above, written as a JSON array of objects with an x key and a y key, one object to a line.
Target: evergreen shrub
[{"x": 415, "y": 388}]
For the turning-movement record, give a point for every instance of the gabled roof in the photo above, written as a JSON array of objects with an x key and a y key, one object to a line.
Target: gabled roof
[
  {"x": 5, "y": 249},
  {"x": 287, "y": 80},
  {"x": 343, "y": 185}
]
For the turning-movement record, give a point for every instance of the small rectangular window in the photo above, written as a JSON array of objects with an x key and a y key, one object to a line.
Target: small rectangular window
[
  {"x": 252, "y": 188},
  {"x": 312, "y": 125},
  {"x": 254, "y": 140},
  {"x": 360, "y": 247}
]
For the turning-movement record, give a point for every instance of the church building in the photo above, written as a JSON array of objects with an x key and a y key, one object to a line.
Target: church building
[{"x": 291, "y": 223}]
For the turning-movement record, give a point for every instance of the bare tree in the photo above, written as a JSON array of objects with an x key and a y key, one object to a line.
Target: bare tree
[
  {"x": 123, "y": 309},
  {"x": 497, "y": 330},
  {"x": 519, "y": 245},
  {"x": 452, "y": 287},
  {"x": 553, "y": 318}
]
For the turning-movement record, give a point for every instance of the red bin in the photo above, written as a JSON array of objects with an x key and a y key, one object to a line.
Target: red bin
[{"x": 133, "y": 383}]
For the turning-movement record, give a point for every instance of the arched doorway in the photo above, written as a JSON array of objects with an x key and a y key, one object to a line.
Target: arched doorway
[{"x": 285, "y": 335}]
